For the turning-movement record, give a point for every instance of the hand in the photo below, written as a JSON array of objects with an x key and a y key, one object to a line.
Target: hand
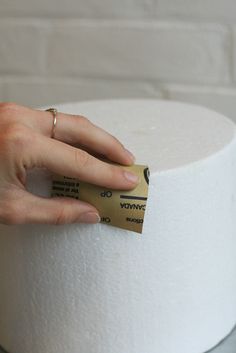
[{"x": 25, "y": 143}]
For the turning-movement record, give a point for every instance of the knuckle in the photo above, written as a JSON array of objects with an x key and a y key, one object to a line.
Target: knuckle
[
  {"x": 115, "y": 173},
  {"x": 18, "y": 135},
  {"x": 7, "y": 108},
  {"x": 61, "y": 217},
  {"x": 82, "y": 158},
  {"x": 83, "y": 120}
]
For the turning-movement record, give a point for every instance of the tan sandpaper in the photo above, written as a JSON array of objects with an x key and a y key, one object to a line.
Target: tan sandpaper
[{"x": 119, "y": 208}]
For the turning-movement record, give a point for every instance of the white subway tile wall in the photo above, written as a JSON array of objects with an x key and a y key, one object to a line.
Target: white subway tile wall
[
  {"x": 207, "y": 10},
  {"x": 1, "y": 90},
  {"x": 138, "y": 51},
  {"x": 39, "y": 91},
  {"x": 234, "y": 55},
  {"x": 21, "y": 48},
  {"x": 78, "y": 8},
  {"x": 222, "y": 100},
  {"x": 63, "y": 51}
]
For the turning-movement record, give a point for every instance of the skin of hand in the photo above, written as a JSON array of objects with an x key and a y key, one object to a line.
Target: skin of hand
[{"x": 26, "y": 143}]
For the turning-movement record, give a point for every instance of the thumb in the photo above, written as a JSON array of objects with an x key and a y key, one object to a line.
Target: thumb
[{"x": 29, "y": 208}]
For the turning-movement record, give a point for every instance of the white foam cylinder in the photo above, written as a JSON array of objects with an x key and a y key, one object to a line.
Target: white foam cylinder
[{"x": 100, "y": 289}]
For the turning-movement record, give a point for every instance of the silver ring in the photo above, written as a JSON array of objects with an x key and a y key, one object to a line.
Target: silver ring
[{"x": 54, "y": 112}]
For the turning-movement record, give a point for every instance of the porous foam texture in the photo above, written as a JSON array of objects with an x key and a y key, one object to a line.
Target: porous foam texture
[{"x": 99, "y": 289}]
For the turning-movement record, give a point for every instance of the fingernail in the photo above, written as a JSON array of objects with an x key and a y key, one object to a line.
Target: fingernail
[
  {"x": 130, "y": 154},
  {"x": 131, "y": 177},
  {"x": 89, "y": 217}
]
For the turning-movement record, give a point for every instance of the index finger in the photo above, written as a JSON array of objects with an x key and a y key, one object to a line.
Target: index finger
[
  {"x": 75, "y": 129},
  {"x": 67, "y": 160}
]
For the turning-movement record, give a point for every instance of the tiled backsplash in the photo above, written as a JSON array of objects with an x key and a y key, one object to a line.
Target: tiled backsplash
[{"x": 60, "y": 51}]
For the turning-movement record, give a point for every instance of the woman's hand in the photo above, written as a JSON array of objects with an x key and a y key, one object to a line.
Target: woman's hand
[{"x": 25, "y": 143}]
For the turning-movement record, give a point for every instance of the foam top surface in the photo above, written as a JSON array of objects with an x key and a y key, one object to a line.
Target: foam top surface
[{"x": 163, "y": 134}]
